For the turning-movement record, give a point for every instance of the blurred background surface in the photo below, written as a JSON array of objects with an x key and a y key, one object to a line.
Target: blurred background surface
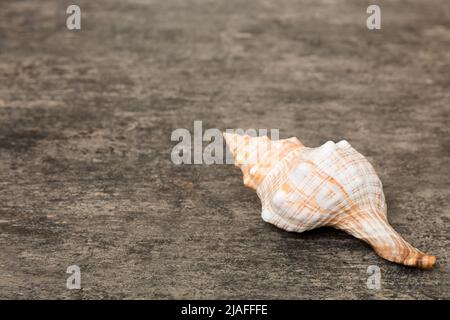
[{"x": 85, "y": 123}]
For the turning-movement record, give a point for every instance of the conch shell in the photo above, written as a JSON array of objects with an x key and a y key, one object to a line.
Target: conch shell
[{"x": 333, "y": 185}]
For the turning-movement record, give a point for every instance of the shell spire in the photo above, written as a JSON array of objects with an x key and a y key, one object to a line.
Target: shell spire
[
  {"x": 303, "y": 188},
  {"x": 256, "y": 156}
]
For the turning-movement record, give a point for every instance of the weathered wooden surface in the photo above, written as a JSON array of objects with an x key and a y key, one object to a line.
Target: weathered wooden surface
[{"x": 85, "y": 124}]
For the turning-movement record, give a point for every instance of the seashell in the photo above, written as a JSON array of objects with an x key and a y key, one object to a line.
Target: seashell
[{"x": 303, "y": 188}]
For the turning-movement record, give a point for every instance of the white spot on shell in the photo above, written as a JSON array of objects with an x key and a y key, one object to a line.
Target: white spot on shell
[
  {"x": 302, "y": 169},
  {"x": 299, "y": 175},
  {"x": 266, "y": 215},
  {"x": 329, "y": 197},
  {"x": 279, "y": 199},
  {"x": 323, "y": 152},
  {"x": 343, "y": 144},
  {"x": 328, "y": 147}
]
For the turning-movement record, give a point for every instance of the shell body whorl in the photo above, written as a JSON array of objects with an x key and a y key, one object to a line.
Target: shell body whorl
[{"x": 303, "y": 188}]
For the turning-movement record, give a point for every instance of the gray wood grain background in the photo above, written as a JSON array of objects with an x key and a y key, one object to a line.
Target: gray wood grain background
[{"x": 85, "y": 123}]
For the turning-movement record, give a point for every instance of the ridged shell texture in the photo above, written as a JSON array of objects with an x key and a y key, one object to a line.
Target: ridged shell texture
[{"x": 333, "y": 185}]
